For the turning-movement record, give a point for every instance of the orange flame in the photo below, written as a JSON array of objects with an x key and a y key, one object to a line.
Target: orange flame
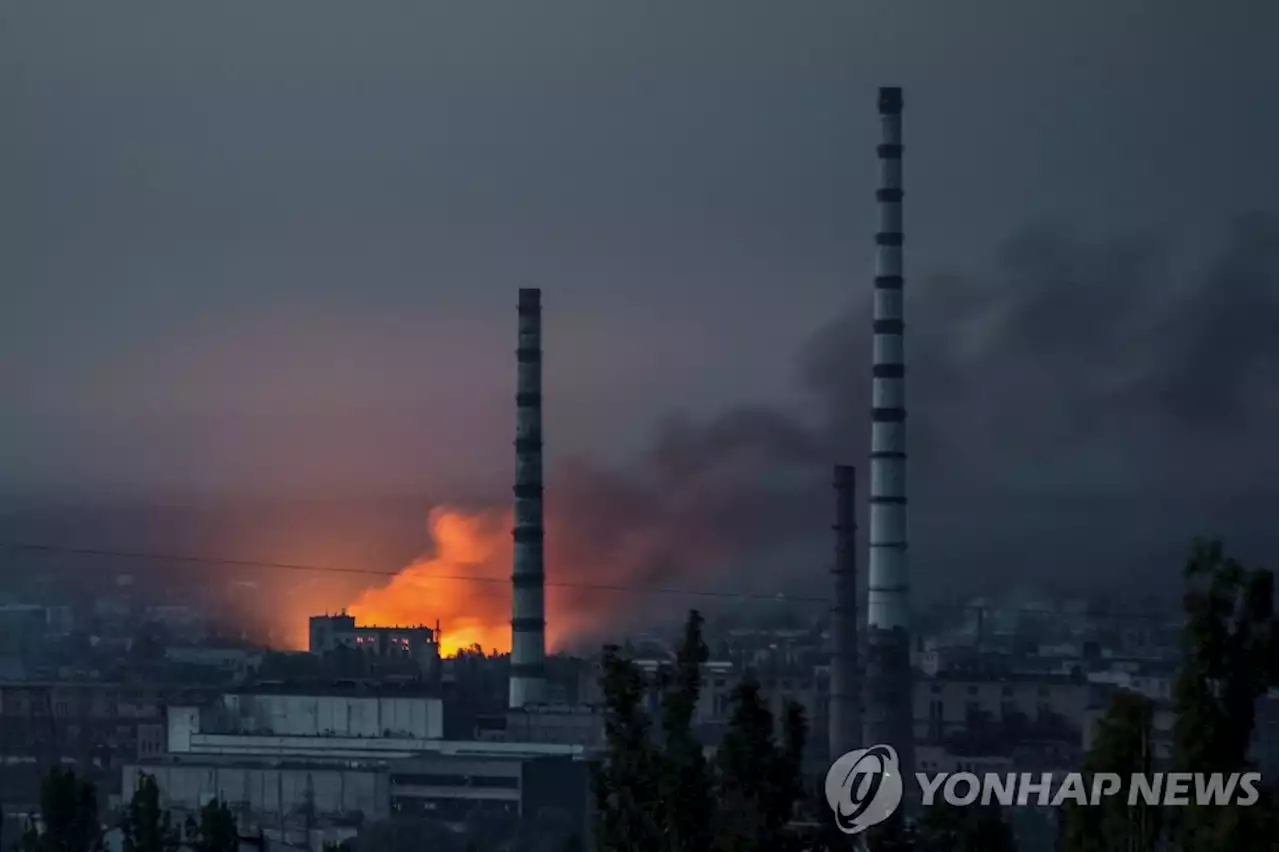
[{"x": 465, "y": 584}]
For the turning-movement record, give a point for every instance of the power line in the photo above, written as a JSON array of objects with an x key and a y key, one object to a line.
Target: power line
[
  {"x": 778, "y": 597},
  {"x": 335, "y": 569}
]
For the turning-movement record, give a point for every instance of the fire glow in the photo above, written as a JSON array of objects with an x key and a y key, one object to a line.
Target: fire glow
[{"x": 465, "y": 584}]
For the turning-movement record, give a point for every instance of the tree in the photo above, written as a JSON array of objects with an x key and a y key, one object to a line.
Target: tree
[
  {"x": 68, "y": 816},
  {"x": 1229, "y": 647},
  {"x": 624, "y": 783},
  {"x": 216, "y": 830},
  {"x": 1122, "y": 744},
  {"x": 147, "y": 827},
  {"x": 654, "y": 789},
  {"x": 758, "y": 782},
  {"x": 684, "y": 788},
  {"x": 1229, "y": 662}
]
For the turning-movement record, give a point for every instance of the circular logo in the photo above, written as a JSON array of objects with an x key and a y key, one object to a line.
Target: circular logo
[{"x": 864, "y": 788}]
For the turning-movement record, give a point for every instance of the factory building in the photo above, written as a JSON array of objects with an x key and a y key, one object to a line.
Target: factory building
[
  {"x": 289, "y": 760},
  {"x": 567, "y": 724}
]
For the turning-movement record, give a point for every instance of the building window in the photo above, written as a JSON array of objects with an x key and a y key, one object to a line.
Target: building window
[{"x": 440, "y": 780}]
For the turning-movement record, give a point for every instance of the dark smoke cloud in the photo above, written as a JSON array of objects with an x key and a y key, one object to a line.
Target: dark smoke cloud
[{"x": 1076, "y": 417}]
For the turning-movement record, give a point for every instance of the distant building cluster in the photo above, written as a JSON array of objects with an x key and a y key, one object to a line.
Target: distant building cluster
[{"x": 372, "y": 724}]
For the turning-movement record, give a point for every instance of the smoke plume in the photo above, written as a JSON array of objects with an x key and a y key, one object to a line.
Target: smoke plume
[{"x": 1075, "y": 417}]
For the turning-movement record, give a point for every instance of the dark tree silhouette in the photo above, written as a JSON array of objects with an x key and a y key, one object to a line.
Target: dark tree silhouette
[
  {"x": 1122, "y": 744},
  {"x": 216, "y": 831},
  {"x": 684, "y": 786},
  {"x": 1229, "y": 662},
  {"x": 624, "y": 783},
  {"x": 758, "y": 782},
  {"x": 654, "y": 789},
  {"x": 68, "y": 816},
  {"x": 147, "y": 827}
]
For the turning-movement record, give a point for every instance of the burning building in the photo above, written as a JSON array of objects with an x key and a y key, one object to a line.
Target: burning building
[{"x": 419, "y": 643}]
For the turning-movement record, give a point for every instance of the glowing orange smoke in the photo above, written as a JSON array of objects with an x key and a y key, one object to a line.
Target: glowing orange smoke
[{"x": 464, "y": 584}]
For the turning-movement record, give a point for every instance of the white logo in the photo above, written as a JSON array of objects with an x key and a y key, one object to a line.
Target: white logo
[
  {"x": 864, "y": 788},
  {"x": 1022, "y": 789}
]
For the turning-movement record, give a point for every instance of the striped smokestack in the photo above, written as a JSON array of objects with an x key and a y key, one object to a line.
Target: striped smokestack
[
  {"x": 888, "y": 674},
  {"x": 528, "y": 627},
  {"x": 844, "y": 725}
]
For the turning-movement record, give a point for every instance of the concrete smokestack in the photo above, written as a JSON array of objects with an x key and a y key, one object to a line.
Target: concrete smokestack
[
  {"x": 528, "y": 624},
  {"x": 844, "y": 722},
  {"x": 888, "y": 703}
]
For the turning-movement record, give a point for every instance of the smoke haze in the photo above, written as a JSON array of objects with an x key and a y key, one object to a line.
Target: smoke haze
[
  {"x": 261, "y": 273},
  {"x": 1076, "y": 416}
]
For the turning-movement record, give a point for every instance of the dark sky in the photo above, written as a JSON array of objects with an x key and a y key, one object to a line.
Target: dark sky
[{"x": 273, "y": 248}]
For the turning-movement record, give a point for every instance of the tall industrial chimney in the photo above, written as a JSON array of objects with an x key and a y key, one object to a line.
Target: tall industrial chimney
[
  {"x": 844, "y": 723},
  {"x": 528, "y": 625},
  {"x": 888, "y": 703}
]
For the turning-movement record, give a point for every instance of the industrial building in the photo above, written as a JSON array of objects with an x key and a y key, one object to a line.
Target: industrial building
[
  {"x": 329, "y": 633},
  {"x": 289, "y": 759}
]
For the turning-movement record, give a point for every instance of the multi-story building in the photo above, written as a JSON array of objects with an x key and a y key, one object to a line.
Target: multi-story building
[
  {"x": 328, "y": 633},
  {"x": 947, "y": 705},
  {"x": 92, "y": 727}
]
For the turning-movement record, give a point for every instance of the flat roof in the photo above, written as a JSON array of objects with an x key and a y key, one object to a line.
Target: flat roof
[
  {"x": 339, "y": 689},
  {"x": 267, "y": 762}
]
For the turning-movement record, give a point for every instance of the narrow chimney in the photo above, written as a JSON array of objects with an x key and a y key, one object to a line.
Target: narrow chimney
[
  {"x": 844, "y": 725},
  {"x": 888, "y": 705},
  {"x": 528, "y": 627}
]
